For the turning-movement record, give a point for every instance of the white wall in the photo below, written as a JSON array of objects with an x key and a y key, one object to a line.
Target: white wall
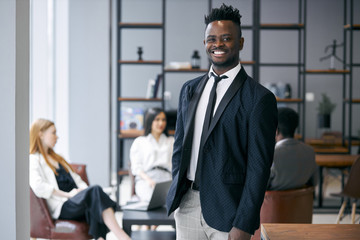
[
  {"x": 89, "y": 75},
  {"x": 14, "y": 109},
  {"x": 49, "y": 97}
]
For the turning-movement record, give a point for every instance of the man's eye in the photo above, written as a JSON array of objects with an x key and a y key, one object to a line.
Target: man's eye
[
  {"x": 210, "y": 40},
  {"x": 226, "y": 39}
]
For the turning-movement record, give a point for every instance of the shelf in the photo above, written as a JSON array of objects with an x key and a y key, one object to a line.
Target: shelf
[
  {"x": 247, "y": 27},
  {"x": 289, "y": 100},
  {"x": 247, "y": 62},
  {"x": 140, "y": 25},
  {"x": 139, "y": 62},
  {"x": 282, "y": 26},
  {"x": 326, "y": 143},
  {"x": 354, "y": 27},
  {"x": 331, "y": 150},
  {"x": 353, "y": 100},
  {"x": 327, "y": 71},
  {"x": 139, "y": 99},
  {"x": 134, "y": 133},
  {"x": 123, "y": 172},
  {"x": 188, "y": 70},
  {"x": 131, "y": 133},
  {"x": 281, "y": 64}
]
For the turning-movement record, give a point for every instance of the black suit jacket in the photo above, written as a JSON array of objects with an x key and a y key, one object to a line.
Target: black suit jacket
[{"x": 236, "y": 153}]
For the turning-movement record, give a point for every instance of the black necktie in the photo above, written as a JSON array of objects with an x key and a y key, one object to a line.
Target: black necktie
[
  {"x": 212, "y": 100},
  {"x": 207, "y": 121}
]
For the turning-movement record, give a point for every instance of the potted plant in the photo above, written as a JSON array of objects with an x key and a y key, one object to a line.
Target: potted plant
[{"x": 325, "y": 108}]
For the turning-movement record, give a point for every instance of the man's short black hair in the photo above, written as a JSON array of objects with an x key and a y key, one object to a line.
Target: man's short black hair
[
  {"x": 224, "y": 13},
  {"x": 288, "y": 121}
]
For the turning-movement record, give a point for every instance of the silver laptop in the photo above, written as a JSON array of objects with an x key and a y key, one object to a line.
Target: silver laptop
[{"x": 157, "y": 200}]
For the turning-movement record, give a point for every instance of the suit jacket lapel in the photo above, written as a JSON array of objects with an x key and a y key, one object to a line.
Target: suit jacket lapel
[
  {"x": 232, "y": 90},
  {"x": 189, "y": 128},
  {"x": 193, "y": 106}
]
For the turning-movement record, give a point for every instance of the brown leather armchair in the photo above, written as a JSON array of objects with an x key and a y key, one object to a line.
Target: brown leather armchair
[
  {"x": 288, "y": 206},
  {"x": 43, "y": 226}
]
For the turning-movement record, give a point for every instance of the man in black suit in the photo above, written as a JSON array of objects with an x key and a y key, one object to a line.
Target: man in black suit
[{"x": 224, "y": 141}]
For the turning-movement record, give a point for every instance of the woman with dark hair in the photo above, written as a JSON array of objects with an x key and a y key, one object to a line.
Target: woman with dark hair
[
  {"x": 67, "y": 196},
  {"x": 150, "y": 155}
]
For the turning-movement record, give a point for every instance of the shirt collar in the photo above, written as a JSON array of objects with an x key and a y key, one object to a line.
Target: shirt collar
[
  {"x": 152, "y": 138},
  {"x": 282, "y": 141},
  {"x": 231, "y": 74}
]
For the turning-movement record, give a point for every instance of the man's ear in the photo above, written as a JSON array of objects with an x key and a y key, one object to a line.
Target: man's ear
[{"x": 241, "y": 43}]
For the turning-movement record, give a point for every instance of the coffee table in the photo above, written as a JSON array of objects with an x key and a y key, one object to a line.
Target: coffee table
[{"x": 153, "y": 217}]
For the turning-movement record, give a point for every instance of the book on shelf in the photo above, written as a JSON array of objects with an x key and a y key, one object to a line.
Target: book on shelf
[
  {"x": 157, "y": 84},
  {"x": 131, "y": 118},
  {"x": 150, "y": 88},
  {"x": 153, "y": 86}
]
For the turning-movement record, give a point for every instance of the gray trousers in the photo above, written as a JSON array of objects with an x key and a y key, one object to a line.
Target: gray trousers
[{"x": 190, "y": 223}]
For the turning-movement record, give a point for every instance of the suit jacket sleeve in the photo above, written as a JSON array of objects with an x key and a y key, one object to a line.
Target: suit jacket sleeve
[
  {"x": 261, "y": 143},
  {"x": 179, "y": 134}
]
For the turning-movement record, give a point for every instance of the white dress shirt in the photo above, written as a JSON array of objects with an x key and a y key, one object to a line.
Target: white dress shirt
[
  {"x": 146, "y": 153},
  {"x": 221, "y": 89}
]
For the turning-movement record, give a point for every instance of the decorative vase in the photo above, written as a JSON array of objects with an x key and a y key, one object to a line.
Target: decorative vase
[
  {"x": 324, "y": 120},
  {"x": 195, "y": 60}
]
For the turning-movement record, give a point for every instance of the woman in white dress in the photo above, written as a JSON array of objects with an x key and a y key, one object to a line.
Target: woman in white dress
[{"x": 151, "y": 154}]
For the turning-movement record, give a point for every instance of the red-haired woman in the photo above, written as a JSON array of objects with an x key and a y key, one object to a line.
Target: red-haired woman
[{"x": 67, "y": 196}]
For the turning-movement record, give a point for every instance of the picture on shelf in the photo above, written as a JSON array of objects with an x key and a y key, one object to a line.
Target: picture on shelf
[{"x": 132, "y": 118}]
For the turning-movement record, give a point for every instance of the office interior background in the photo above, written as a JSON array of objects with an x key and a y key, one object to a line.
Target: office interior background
[{"x": 59, "y": 61}]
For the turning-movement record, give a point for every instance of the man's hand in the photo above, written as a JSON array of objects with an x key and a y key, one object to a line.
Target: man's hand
[{"x": 237, "y": 234}]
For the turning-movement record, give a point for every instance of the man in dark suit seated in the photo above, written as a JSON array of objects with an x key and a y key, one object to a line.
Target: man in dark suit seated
[
  {"x": 294, "y": 162},
  {"x": 224, "y": 141}
]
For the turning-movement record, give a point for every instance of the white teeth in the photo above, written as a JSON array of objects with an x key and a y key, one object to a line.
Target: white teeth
[{"x": 218, "y": 52}]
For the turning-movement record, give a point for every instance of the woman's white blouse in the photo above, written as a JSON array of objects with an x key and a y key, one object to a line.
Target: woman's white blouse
[{"x": 146, "y": 153}]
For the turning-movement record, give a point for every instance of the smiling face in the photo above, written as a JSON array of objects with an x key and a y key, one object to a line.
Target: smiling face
[
  {"x": 223, "y": 43},
  {"x": 159, "y": 124},
  {"x": 48, "y": 137}
]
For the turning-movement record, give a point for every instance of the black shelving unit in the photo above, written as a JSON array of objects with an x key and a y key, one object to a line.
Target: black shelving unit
[
  {"x": 346, "y": 74},
  {"x": 300, "y": 28},
  {"x": 257, "y": 27},
  {"x": 348, "y": 80},
  {"x": 122, "y": 136}
]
